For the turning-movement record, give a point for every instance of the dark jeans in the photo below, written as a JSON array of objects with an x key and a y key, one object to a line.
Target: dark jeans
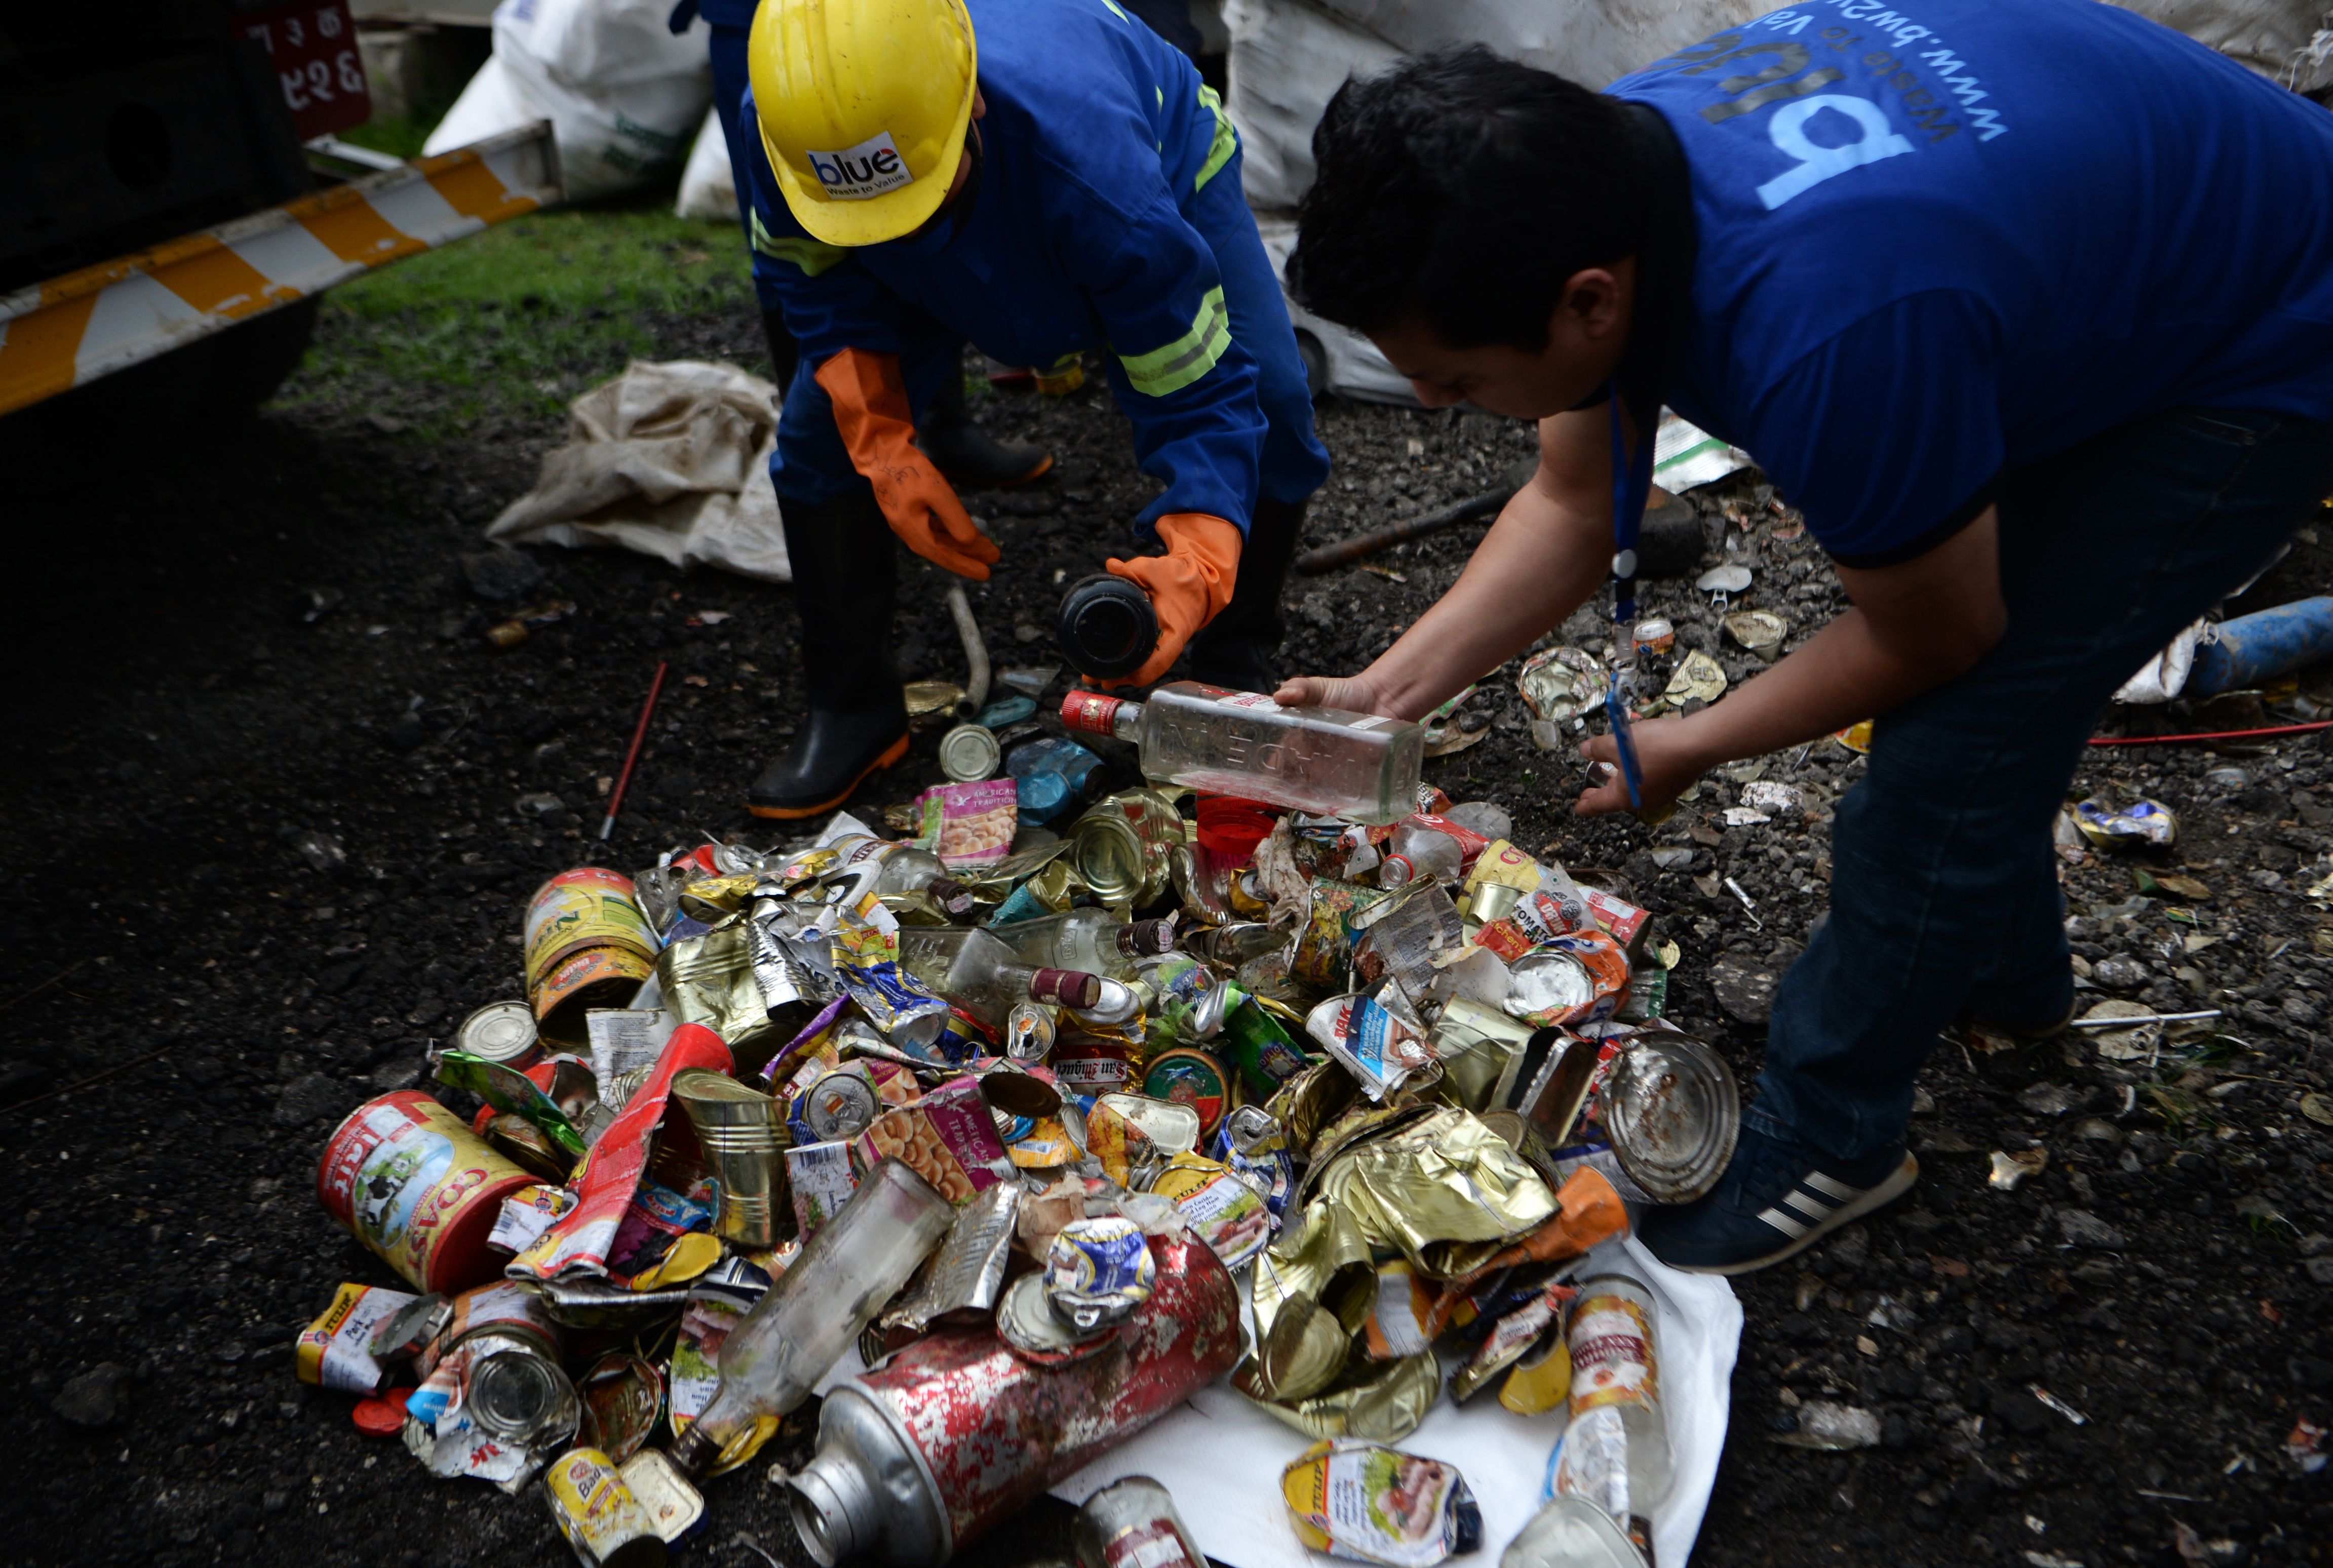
[{"x": 1943, "y": 884}]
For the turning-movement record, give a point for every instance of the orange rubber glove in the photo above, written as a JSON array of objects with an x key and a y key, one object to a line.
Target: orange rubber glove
[
  {"x": 1188, "y": 586},
  {"x": 870, "y": 410}
]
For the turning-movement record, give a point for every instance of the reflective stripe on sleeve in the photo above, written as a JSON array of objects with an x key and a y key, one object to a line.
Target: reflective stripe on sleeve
[
  {"x": 1168, "y": 370},
  {"x": 1226, "y": 142},
  {"x": 800, "y": 250}
]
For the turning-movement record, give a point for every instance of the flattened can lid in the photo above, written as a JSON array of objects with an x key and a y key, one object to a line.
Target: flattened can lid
[
  {"x": 840, "y": 1107},
  {"x": 1670, "y": 1106},
  {"x": 1027, "y": 1322},
  {"x": 674, "y": 1507},
  {"x": 500, "y": 1032},
  {"x": 969, "y": 753},
  {"x": 1109, "y": 856}
]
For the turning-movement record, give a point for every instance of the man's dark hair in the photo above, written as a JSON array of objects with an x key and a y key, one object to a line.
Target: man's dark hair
[{"x": 1463, "y": 189}]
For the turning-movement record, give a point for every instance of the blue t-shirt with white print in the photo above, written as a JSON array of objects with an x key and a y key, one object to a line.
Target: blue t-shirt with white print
[{"x": 1943, "y": 239}]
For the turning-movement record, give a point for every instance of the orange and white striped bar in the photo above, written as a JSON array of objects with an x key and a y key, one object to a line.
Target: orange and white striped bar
[{"x": 86, "y": 324}]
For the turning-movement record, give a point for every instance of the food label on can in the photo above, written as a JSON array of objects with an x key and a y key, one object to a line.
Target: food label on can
[
  {"x": 947, "y": 1137},
  {"x": 594, "y": 1508},
  {"x": 1378, "y": 1504},
  {"x": 1373, "y": 1045},
  {"x": 526, "y": 1215},
  {"x": 1617, "y": 915},
  {"x": 1228, "y": 1214},
  {"x": 1092, "y": 1067},
  {"x": 705, "y": 1322},
  {"x": 400, "y": 1171},
  {"x": 1611, "y": 1355},
  {"x": 585, "y": 908},
  {"x": 1591, "y": 1461},
  {"x": 1153, "y": 1543},
  {"x": 333, "y": 1351}
]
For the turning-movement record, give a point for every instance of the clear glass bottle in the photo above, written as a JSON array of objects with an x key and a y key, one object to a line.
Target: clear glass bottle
[
  {"x": 1616, "y": 1452},
  {"x": 848, "y": 1271},
  {"x": 1361, "y": 766},
  {"x": 1091, "y": 939},
  {"x": 904, "y": 867},
  {"x": 986, "y": 978}
]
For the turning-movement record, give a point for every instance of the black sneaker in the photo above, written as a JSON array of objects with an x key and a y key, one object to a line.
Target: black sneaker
[{"x": 1777, "y": 1199}]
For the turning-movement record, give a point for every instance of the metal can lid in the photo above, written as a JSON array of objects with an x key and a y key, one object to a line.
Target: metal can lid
[
  {"x": 521, "y": 1396},
  {"x": 969, "y": 753},
  {"x": 674, "y": 1507},
  {"x": 383, "y": 1417},
  {"x": 1027, "y": 1322},
  {"x": 1109, "y": 856},
  {"x": 500, "y": 1032},
  {"x": 1671, "y": 1108},
  {"x": 839, "y": 1105}
]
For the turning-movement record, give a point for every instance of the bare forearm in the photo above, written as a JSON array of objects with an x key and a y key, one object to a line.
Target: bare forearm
[
  {"x": 1842, "y": 675},
  {"x": 1528, "y": 575}
]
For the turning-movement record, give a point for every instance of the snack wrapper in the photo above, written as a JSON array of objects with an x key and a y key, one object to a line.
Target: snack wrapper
[
  {"x": 1371, "y": 1504},
  {"x": 333, "y": 1351},
  {"x": 1501, "y": 862},
  {"x": 947, "y": 1137},
  {"x": 656, "y": 1218},
  {"x": 1371, "y": 1044},
  {"x": 1536, "y": 920},
  {"x": 887, "y": 995},
  {"x": 526, "y": 1214},
  {"x": 1324, "y": 947},
  {"x": 581, "y": 1241},
  {"x": 969, "y": 824}
]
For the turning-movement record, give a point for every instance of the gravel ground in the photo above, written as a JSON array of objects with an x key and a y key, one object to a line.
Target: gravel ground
[{"x": 277, "y": 806}]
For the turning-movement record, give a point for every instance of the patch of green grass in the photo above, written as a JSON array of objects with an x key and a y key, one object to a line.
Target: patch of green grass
[
  {"x": 400, "y": 136},
  {"x": 516, "y": 321}
]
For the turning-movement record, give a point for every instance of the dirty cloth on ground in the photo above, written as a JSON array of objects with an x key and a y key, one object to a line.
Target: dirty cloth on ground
[{"x": 671, "y": 459}]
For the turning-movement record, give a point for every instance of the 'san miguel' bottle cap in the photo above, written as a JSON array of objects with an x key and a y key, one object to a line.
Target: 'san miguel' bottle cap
[{"x": 1107, "y": 626}]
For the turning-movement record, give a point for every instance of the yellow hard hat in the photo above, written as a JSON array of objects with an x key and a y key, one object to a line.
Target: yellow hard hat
[{"x": 863, "y": 106}]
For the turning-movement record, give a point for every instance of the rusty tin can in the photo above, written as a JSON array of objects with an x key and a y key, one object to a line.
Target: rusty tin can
[
  {"x": 419, "y": 1189},
  {"x": 958, "y": 1431}
]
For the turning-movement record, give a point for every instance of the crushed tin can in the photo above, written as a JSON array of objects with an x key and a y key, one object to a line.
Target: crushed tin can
[
  {"x": 1028, "y": 1032},
  {"x": 587, "y": 944},
  {"x": 675, "y": 1509},
  {"x": 1760, "y": 632},
  {"x": 1187, "y": 1076},
  {"x": 742, "y": 1132},
  {"x": 966, "y": 1275},
  {"x": 520, "y": 1396},
  {"x": 1224, "y": 1211},
  {"x": 840, "y": 1106},
  {"x": 1377, "y": 1049},
  {"x": 1098, "y": 1271},
  {"x": 501, "y": 1032},
  {"x": 1372, "y": 1504},
  {"x": 2148, "y": 822},
  {"x": 622, "y": 1397},
  {"x": 1132, "y": 1523},
  {"x": 597, "y": 1514},
  {"x": 335, "y": 1352}
]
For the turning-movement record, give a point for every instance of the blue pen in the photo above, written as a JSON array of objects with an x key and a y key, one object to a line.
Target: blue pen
[{"x": 1632, "y": 485}]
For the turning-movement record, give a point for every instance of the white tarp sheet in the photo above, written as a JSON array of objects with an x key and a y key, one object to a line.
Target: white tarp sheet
[
  {"x": 671, "y": 459},
  {"x": 1222, "y": 1457}
]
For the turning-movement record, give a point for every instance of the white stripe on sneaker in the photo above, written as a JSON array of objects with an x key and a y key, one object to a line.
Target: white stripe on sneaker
[
  {"x": 1783, "y": 1223},
  {"x": 1831, "y": 1185},
  {"x": 1812, "y": 1207}
]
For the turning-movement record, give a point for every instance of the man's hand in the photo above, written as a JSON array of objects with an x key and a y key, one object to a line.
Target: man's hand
[
  {"x": 1188, "y": 586},
  {"x": 1665, "y": 752},
  {"x": 1348, "y": 693}
]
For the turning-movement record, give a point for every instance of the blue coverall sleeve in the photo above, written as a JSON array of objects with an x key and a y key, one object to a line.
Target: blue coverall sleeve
[
  {"x": 1188, "y": 387},
  {"x": 829, "y": 302}
]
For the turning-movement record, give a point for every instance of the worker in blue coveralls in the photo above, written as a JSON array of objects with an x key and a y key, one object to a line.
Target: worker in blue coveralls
[
  {"x": 1044, "y": 178},
  {"x": 2029, "y": 308},
  {"x": 964, "y": 452}
]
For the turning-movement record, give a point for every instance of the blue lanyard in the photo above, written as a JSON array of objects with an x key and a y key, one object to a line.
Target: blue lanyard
[{"x": 1632, "y": 485}]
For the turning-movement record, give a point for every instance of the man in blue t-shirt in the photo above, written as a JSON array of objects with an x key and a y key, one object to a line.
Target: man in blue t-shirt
[{"x": 2029, "y": 308}]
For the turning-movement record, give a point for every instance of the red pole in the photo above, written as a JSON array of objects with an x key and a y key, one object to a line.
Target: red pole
[
  {"x": 2213, "y": 735},
  {"x": 632, "y": 757}
]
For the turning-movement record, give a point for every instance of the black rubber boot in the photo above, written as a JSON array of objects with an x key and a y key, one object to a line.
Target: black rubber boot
[
  {"x": 785, "y": 352},
  {"x": 968, "y": 455},
  {"x": 842, "y": 562},
  {"x": 1239, "y": 647}
]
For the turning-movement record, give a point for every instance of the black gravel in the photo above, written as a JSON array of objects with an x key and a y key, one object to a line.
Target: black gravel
[{"x": 274, "y": 805}]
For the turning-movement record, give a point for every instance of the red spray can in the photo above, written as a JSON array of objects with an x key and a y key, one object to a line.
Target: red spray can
[{"x": 959, "y": 1430}]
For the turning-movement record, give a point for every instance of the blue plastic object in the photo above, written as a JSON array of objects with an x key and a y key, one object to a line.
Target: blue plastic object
[
  {"x": 2262, "y": 645},
  {"x": 1054, "y": 774}
]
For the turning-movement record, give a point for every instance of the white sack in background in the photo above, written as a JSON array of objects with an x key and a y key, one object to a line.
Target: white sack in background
[
  {"x": 621, "y": 92},
  {"x": 2280, "y": 39},
  {"x": 1287, "y": 59},
  {"x": 1222, "y": 1457},
  {"x": 671, "y": 459},
  {"x": 708, "y": 186}
]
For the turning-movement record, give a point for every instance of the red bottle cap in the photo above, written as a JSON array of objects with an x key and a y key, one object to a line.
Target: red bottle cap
[
  {"x": 383, "y": 1417},
  {"x": 1089, "y": 713},
  {"x": 1067, "y": 986}
]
